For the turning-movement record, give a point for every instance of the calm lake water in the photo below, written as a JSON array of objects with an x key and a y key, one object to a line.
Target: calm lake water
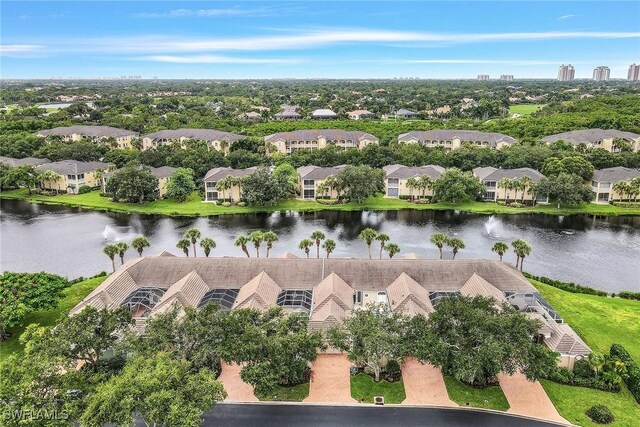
[{"x": 599, "y": 252}]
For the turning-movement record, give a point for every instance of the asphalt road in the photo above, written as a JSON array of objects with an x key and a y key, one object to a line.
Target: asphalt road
[{"x": 265, "y": 415}]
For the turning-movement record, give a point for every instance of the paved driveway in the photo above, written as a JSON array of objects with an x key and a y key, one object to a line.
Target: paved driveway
[
  {"x": 424, "y": 384},
  {"x": 237, "y": 390},
  {"x": 528, "y": 398},
  {"x": 330, "y": 380}
]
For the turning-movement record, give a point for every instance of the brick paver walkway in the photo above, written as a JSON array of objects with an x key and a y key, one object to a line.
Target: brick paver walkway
[
  {"x": 424, "y": 384},
  {"x": 528, "y": 398},
  {"x": 237, "y": 390},
  {"x": 330, "y": 380}
]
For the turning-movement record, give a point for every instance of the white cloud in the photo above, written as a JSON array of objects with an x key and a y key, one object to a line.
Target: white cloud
[
  {"x": 565, "y": 17},
  {"x": 211, "y": 13},
  {"x": 19, "y": 48},
  {"x": 515, "y": 62},
  {"x": 214, "y": 59}
]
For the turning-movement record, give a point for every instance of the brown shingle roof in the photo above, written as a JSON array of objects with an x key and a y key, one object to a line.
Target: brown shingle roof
[
  {"x": 477, "y": 286},
  {"x": 197, "y": 134},
  {"x": 450, "y": 134},
  {"x": 260, "y": 292},
  {"x": 493, "y": 174},
  {"x": 317, "y": 172},
  {"x": 404, "y": 172},
  {"x": 314, "y": 134},
  {"x": 216, "y": 174},
  {"x": 586, "y": 136},
  {"x": 91, "y": 131},
  {"x": 407, "y": 296},
  {"x": 72, "y": 167},
  {"x": 333, "y": 288}
]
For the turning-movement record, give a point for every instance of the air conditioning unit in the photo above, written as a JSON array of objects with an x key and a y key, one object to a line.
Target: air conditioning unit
[{"x": 378, "y": 400}]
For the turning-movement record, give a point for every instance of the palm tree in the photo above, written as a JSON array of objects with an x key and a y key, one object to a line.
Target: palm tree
[
  {"x": 522, "y": 249},
  {"x": 507, "y": 184},
  {"x": 139, "y": 243},
  {"x": 242, "y": 242},
  {"x": 368, "y": 235},
  {"x": 426, "y": 183},
  {"x": 122, "y": 248},
  {"x": 50, "y": 176},
  {"x": 622, "y": 188},
  {"x": 500, "y": 248},
  {"x": 392, "y": 249},
  {"x": 111, "y": 251},
  {"x": 207, "y": 244},
  {"x": 317, "y": 236},
  {"x": 269, "y": 237},
  {"x": 184, "y": 244},
  {"x": 256, "y": 237},
  {"x": 192, "y": 234},
  {"x": 329, "y": 246},
  {"x": 412, "y": 183},
  {"x": 526, "y": 184},
  {"x": 456, "y": 244},
  {"x": 382, "y": 238},
  {"x": 439, "y": 240},
  {"x": 305, "y": 244}
]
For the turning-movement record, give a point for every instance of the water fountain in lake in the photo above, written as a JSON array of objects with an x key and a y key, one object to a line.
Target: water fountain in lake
[
  {"x": 112, "y": 234},
  {"x": 494, "y": 228}
]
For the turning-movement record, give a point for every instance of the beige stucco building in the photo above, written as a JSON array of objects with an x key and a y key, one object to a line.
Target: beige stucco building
[
  {"x": 314, "y": 139},
  {"x": 596, "y": 138},
  {"x": 313, "y": 176},
  {"x": 604, "y": 179},
  {"x": 233, "y": 194},
  {"x": 215, "y": 139},
  {"x": 396, "y": 177},
  {"x": 491, "y": 177},
  {"x": 72, "y": 175},
  {"x": 120, "y": 138},
  {"x": 452, "y": 139}
]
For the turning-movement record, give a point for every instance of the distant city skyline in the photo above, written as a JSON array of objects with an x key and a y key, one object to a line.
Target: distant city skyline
[{"x": 275, "y": 39}]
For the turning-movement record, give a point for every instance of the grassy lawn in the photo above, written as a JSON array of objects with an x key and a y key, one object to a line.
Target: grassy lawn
[
  {"x": 72, "y": 296},
  {"x": 288, "y": 394},
  {"x": 364, "y": 388},
  {"x": 573, "y": 402},
  {"x": 600, "y": 321},
  {"x": 489, "y": 398},
  {"x": 525, "y": 109},
  {"x": 194, "y": 206}
]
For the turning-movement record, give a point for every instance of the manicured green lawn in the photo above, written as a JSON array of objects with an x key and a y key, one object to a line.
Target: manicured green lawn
[
  {"x": 364, "y": 388},
  {"x": 295, "y": 393},
  {"x": 573, "y": 402},
  {"x": 72, "y": 296},
  {"x": 194, "y": 206},
  {"x": 490, "y": 397},
  {"x": 600, "y": 321},
  {"x": 525, "y": 109}
]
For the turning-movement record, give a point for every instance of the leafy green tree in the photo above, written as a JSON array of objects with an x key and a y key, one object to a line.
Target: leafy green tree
[
  {"x": 21, "y": 176},
  {"x": 360, "y": 182},
  {"x": 139, "y": 243},
  {"x": 50, "y": 176},
  {"x": 373, "y": 337},
  {"x": 181, "y": 184},
  {"x": 242, "y": 241},
  {"x": 475, "y": 339},
  {"x": 24, "y": 293},
  {"x": 368, "y": 235},
  {"x": 317, "y": 236},
  {"x": 383, "y": 238},
  {"x": 305, "y": 245},
  {"x": 500, "y": 248},
  {"x": 329, "y": 246},
  {"x": 521, "y": 249},
  {"x": 111, "y": 251},
  {"x": 439, "y": 240},
  {"x": 193, "y": 234},
  {"x": 184, "y": 244},
  {"x": 160, "y": 390},
  {"x": 262, "y": 188},
  {"x": 455, "y": 244},
  {"x": 269, "y": 238},
  {"x": 392, "y": 249},
  {"x": 122, "y": 248},
  {"x": 576, "y": 165},
  {"x": 286, "y": 172},
  {"x": 566, "y": 189},
  {"x": 207, "y": 244},
  {"x": 455, "y": 186},
  {"x": 132, "y": 184}
]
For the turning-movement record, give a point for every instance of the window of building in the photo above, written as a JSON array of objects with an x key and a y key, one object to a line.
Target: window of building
[
  {"x": 212, "y": 195},
  {"x": 142, "y": 300},
  {"x": 490, "y": 195},
  {"x": 393, "y": 181},
  {"x": 436, "y": 296},
  {"x": 308, "y": 182},
  {"x": 309, "y": 194},
  {"x": 211, "y": 184},
  {"x": 392, "y": 192},
  {"x": 295, "y": 299},
  {"x": 224, "y": 297}
]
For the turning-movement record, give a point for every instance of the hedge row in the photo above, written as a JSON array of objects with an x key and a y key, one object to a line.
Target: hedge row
[
  {"x": 569, "y": 377},
  {"x": 626, "y": 204},
  {"x": 629, "y": 295},
  {"x": 566, "y": 286},
  {"x": 632, "y": 379}
]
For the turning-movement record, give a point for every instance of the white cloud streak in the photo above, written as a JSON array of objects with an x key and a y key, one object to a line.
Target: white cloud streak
[
  {"x": 214, "y": 59},
  {"x": 213, "y": 13},
  {"x": 19, "y": 48},
  {"x": 565, "y": 17}
]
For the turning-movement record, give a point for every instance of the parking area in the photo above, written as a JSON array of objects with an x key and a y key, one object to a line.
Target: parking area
[
  {"x": 237, "y": 390},
  {"x": 528, "y": 398},
  {"x": 330, "y": 380},
  {"x": 424, "y": 384}
]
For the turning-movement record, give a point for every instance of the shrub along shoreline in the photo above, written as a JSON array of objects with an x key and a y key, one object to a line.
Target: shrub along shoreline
[{"x": 193, "y": 206}]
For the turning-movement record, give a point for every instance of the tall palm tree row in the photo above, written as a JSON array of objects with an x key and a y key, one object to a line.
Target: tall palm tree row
[
  {"x": 383, "y": 238},
  {"x": 392, "y": 249},
  {"x": 207, "y": 244},
  {"x": 139, "y": 243},
  {"x": 329, "y": 246},
  {"x": 184, "y": 244},
  {"x": 500, "y": 248},
  {"x": 305, "y": 245},
  {"x": 192, "y": 234},
  {"x": 521, "y": 249},
  {"x": 256, "y": 237},
  {"x": 111, "y": 251},
  {"x": 269, "y": 238},
  {"x": 317, "y": 236},
  {"x": 439, "y": 239},
  {"x": 368, "y": 235},
  {"x": 122, "y": 249},
  {"x": 455, "y": 244},
  {"x": 242, "y": 242}
]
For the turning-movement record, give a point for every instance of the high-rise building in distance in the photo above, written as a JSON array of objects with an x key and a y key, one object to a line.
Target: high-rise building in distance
[
  {"x": 506, "y": 77},
  {"x": 483, "y": 77},
  {"x": 633, "y": 74},
  {"x": 566, "y": 73},
  {"x": 601, "y": 73}
]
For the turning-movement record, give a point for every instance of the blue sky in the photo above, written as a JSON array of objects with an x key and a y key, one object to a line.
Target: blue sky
[{"x": 282, "y": 39}]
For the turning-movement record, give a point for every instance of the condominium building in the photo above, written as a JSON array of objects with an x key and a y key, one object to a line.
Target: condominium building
[
  {"x": 213, "y": 193},
  {"x": 314, "y": 139},
  {"x": 601, "y": 74},
  {"x": 506, "y": 77},
  {"x": 483, "y": 77},
  {"x": 452, "y": 139},
  {"x": 633, "y": 75},
  {"x": 216, "y": 139},
  {"x": 604, "y": 179},
  {"x": 403, "y": 113},
  {"x": 313, "y": 182},
  {"x": 119, "y": 138},
  {"x": 566, "y": 73},
  {"x": 596, "y": 138},
  {"x": 72, "y": 174},
  {"x": 496, "y": 182},
  {"x": 398, "y": 182},
  {"x": 328, "y": 290},
  {"x": 162, "y": 174}
]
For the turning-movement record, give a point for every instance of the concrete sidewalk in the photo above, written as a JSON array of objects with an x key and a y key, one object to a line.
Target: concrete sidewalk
[
  {"x": 528, "y": 398},
  {"x": 330, "y": 380},
  {"x": 237, "y": 390},
  {"x": 424, "y": 384}
]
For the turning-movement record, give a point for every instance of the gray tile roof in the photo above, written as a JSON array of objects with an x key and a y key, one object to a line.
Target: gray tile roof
[
  {"x": 91, "y": 131},
  {"x": 161, "y": 172},
  {"x": 288, "y": 114},
  {"x": 197, "y": 134},
  {"x": 217, "y": 174},
  {"x": 317, "y": 172},
  {"x": 323, "y": 112},
  {"x": 405, "y": 112},
  {"x": 72, "y": 167},
  {"x": 615, "y": 174},
  {"x": 586, "y": 136},
  {"x": 450, "y": 134},
  {"x": 32, "y": 161},
  {"x": 404, "y": 172},
  {"x": 314, "y": 134},
  {"x": 493, "y": 174}
]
